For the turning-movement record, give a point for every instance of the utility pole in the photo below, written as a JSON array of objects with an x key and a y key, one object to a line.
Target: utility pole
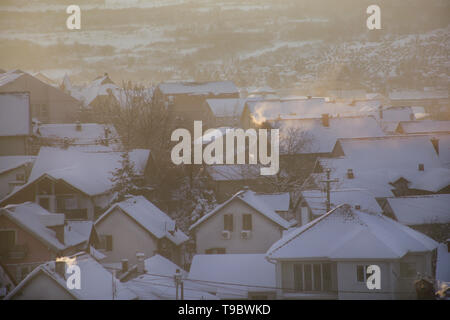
[
  {"x": 179, "y": 283},
  {"x": 328, "y": 181}
]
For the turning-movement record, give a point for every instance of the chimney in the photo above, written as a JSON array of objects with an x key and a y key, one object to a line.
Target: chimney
[
  {"x": 350, "y": 174},
  {"x": 421, "y": 167},
  {"x": 380, "y": 112},
  {"x": 60, "y": 268},
  {"x": 435, "y": 142},
  {"x": 357, "y": 207},
  {"x": 78, "y": 126},
  {"x": 309, "y": 97},
  {"x": 124, "y": 265},
  {"x": 140, "y": 262},
  {"x": 325, "y": 120}
]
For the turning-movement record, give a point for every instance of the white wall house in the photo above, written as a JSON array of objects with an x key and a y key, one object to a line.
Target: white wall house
[
  {"x": 135, "y": 225},
  {"x": 328, "y": 258},
  {"x": 245, "y": 223}
]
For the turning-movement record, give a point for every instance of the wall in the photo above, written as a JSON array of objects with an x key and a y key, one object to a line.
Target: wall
[
  {"x": 13, "y": 145},
  {"x": 128, "y": 238},
  {"x": 61, "y": 106},
  {"x": 209, "y": 233},
  {"x": 7, "y": 177},
  {"x": 42, "y": 287}
]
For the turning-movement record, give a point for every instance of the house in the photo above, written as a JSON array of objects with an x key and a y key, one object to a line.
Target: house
[
  {"x": 388, "y": 166},
  {"x": 227, "y": 112},
  {"x": 423, "y": 126},
  {"x": 14, "y": 172},
  {"x": 245, "y": 223},
  {"x": 15, "y": 123},
  {"x": 428, "y": 214},
  {"x": 137, "y": 225},
  {"x": 313, "y": 203},
  {"x": 432, "y": 99},
  {"x": 186, "y": 100},
  {"x": 29, "y": 234},
  {"x": 226, "y": 180},
  {"x": 310, "y": 266},
  {"x": 309, "y": 108},
  {"x": 49, "y": 282},
  {"x": 101, "y": 90},
  {"x": 302, "y": 141},
  {"x": 76, "y": 183},
  {"x": 84, "y": 136},
  {"x": 48, "y": 104},
  {"x": 157, "y": 282},
  {"x": 234, "y": 276}
]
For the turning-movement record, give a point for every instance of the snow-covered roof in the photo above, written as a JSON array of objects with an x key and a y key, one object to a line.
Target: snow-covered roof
[
  {"x": 276, "y": 201},
  {"x": 15, "y": 118},
  {"x": 101, "y": 86},
  {"x": 97, "y": 283},
  {"x": 305, "y": 109},
  {"x": 90, "y": 133},
  {"x": 199, "y": 88},
  {"x": 233, "y": 172},
  {"x": 150, "y": 217},
  {"x": 226, "y": 107},
  {"x": 12, "y": 162},
  {"x": 9, "y": 76},
  {"x": 158, "y": 282},
  {"x": 321, "y": 139},
  {"x": 233, "y": 276},
  {"x": 88, "y": 172},
  {"x": 377, "y": 162},
  {"x": 397, "y": 114},
  {"x": 34, "y": 219},
  {"x": 255, "y": 201},
  {"x": 423, "y": 126},
  {"x": 390, "y": 151},
  {"x": 347, "y": 233},
  {"x": 316, "y": 200},
  {"x": 418, "y": 94},
  {"x": 426, "y": 209}
]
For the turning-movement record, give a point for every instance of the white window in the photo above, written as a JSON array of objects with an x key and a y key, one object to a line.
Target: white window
[{"x": 312, "y": 277}]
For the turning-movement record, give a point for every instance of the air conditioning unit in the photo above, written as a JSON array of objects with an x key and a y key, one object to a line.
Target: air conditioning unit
[
  {"x": 246, "y": 234},
  {"x": 226, "y": 234}
]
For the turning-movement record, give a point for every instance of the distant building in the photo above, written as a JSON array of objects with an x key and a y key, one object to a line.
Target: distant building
[
  {"x": 186, "y": 100},
  {"x": 423, "y": 126},
  {"x": 15, "y": 123},
  {"x": 328, "y": 257},
  {"x": 48, "y": 104},
  {"x": 245, "y": 223}
]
